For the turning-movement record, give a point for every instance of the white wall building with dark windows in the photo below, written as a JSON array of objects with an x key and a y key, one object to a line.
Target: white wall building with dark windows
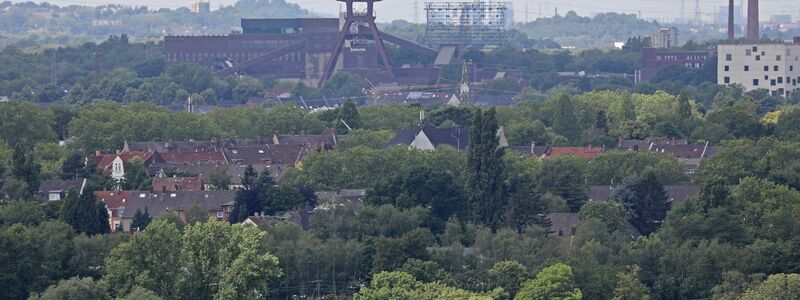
[{"x": 774, "y": 67}]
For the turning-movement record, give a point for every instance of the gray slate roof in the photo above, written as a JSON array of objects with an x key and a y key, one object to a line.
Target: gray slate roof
[
  {"x": 60, "y": 186},
  {"x": 456, "y": 136},
  {"x": 676, "y": 193},
  {"x": 158, "y": 203}
]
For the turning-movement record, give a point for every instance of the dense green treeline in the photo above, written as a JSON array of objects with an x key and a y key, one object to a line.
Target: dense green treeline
[
  {"x": 125, "y": 72},
  {"x": 735, "y": 233},
  {"x": 594, "y": 118}
]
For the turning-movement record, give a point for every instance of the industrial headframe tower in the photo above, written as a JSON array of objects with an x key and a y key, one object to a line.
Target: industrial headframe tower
[{"x": 354, "y": 21}]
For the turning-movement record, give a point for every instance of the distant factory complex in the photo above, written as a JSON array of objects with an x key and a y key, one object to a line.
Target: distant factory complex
[{"x": 311, "y": 50}]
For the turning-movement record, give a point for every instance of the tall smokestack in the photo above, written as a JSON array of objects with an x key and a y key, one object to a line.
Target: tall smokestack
[
  {"x": 752, "y": 20},
  {"x": 730, "y": 20}
]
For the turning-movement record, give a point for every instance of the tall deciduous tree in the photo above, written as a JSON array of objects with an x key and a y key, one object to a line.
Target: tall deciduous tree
[
  {"x": 554, "y": 282},
  {"x": 777, "y": 286},
  {"x": 26, "y": 170},
  {"x": 509, "y": 275},
  {"x": 487, "y": 193},
  {"x": 629, "y": 287},
  {"x": 628, "y": 108},
  {"x": 211, "y": 260},
  {"x": 74, "y": 288},
  {"x": 565, "y": 122},
  {"x": 645, "y": 200}
]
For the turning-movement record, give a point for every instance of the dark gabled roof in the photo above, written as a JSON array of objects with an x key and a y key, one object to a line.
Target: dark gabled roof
[
  {"x": 562, "y": 224},
  {"x": 158, "y": 203},
  {"x": 234, "y": 171},
  {"x": 173, "y": 146},
  {"x": 537, "y": 151},
  {"x": 676, "y": 193},
  {"x": 456, "y": 136},
  {"x": 690, "y": 151},
  {"x": 300, "y": 217},
  {"x": 61, "y": 186},
  {"x": 331, "y": 139},
  {"x": 643, "y": 145},
  {"x": 344, "y": 194},
  {"x": 266, "y": 154}
]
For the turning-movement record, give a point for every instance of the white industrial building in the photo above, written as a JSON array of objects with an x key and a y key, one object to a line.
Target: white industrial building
[{"x": 774, "y": 67}]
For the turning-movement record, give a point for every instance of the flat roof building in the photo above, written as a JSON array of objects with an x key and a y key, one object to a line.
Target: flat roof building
[
  {"x": 774, "y": 67},
  {"x": 654, "y": 60}
]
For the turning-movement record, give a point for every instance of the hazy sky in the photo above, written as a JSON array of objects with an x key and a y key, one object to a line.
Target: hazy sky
[{"x": 404, "y": 9}]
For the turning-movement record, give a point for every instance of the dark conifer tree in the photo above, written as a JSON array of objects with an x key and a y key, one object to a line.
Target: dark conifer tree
[
  {"x": 349, "y": 114},
  {"x": 141, "y": 219},
  {"x": 565, "y": 122},
  {"x": 25, "y": 169},
  {"x": 486, "y": 169},
  {"x": 645, "y": 200}
]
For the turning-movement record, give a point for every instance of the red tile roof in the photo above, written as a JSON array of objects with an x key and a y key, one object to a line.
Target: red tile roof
[
  {"x": 113, "y": 199},
  {"x": 104, "y": 161},
  {"x": 585, "y": 152}
]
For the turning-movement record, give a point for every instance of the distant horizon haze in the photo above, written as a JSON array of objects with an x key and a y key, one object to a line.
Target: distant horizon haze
[{"x": 389, "y": 10}]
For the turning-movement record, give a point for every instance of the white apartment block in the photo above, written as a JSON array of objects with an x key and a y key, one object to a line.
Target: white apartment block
[{"x": 775, "y": 67}]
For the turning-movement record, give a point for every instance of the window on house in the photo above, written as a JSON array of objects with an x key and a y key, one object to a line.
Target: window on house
[
  {"x": 755, "y": 82},
  {"x": 758, "y": 57},
  {"x": 746, "y": 68},
  {"x": 219, "y": 214},
  {"x": 727, "y": 68},
  {"x": 755, "y": 48},
  {"x": 748, "y": 52},
  {"x": 778, "y": 58},
  {"x": 780, "y": 79},
  {"x": 775, "y": 68},
  {"x": 772, "y": 82},
  {"x": 727, "y": 80},
  {"x": 766, "y": 68},
  {"x": 729, "y": 57}
]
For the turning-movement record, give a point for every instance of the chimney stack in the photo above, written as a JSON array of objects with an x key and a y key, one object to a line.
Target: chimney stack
[
  {"x": 752, "y": 20},
  {"x": 730, "y": 21}
]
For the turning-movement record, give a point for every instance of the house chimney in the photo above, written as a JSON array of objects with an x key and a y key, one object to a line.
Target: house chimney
[
  {"x": 97, "y": 153},
  {"x": 752, "y": 20},
  {"x": 730, "y": 21}
]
